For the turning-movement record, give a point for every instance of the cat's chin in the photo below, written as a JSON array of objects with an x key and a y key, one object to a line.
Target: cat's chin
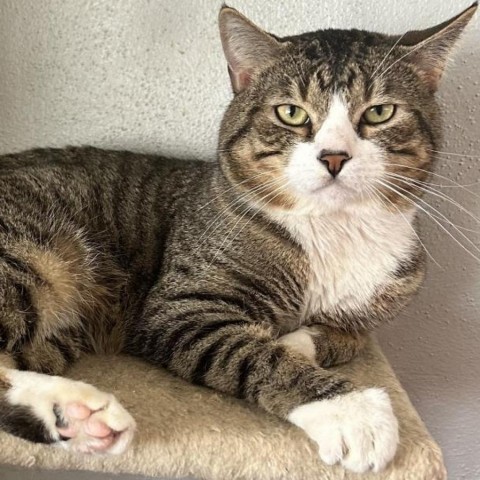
[{"x": 330, "y": 198}]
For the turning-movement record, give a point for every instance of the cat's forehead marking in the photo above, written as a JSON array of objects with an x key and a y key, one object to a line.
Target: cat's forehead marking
[
  {"x": 336, "y": 132},
  {"x": 322, "y": 82}
]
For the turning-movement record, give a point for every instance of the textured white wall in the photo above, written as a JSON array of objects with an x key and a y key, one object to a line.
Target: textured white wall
[{"x": 149, "y": 75}]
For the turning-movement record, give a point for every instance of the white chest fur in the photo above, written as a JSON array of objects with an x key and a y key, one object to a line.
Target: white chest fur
[{"x": 351, "y": 255}]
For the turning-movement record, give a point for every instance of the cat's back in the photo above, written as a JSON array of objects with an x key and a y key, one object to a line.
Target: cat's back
[
  {"x": 99, "y": 189},
  {"x": 86, "y": 158},
  {"x": 87, "y": 171}
]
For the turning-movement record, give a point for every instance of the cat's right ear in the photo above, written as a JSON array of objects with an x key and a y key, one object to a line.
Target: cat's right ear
[{"x": 247, "y": 47}]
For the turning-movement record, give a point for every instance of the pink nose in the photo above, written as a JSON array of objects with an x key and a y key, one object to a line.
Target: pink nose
[{"x": 334, "y": 161}]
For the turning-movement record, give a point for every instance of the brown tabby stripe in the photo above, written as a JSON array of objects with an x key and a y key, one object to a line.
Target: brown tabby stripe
[
  {"x": 243, "y": 130},
  {"x": 20, "y": 266},
  {"x": 124, "y": 242},
  {"x": 3, "y": 337},
  {"x": 252, "y": 282},
  {"x": 26, "y": 307},
  {"x": 206, "y": 329},
  {"x": 230, "y": 351},
  {"x": 425, "y": 126},
  {"x": 206, "y": 298},
  {"x": 206, "y": 359},
  {"x": 264, "y": 154},
  {"x": 3, "y": 226},
  {"x": 65, "y": 349}
]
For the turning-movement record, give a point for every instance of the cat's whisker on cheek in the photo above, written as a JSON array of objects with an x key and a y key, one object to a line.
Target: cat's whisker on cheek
[
  {"x": 395, "y": 189},
  {"x": 238, "y": 201},
  {"x": 444, "y": 217},
  {"x": 379, "y": 195},
  {"x": 253, "y": 177},
  {"x": 461, "y": 227},
  {"x": 278, "y": 191},
  {"x": 463, "y": 155},
  {"x": 428, "y": 172},
  {"x": 442, "y": 185},
  {"x": 434, "y": 192}
]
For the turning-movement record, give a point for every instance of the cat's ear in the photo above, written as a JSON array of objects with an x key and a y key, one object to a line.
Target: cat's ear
[
  {"x": 431, "y": 48},
  {"x": 247, "y": 47}
]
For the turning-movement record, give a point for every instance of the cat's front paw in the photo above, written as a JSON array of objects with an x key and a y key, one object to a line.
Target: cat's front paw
[
  {"x": 358, "y": 430},
  {"x": 77, "y": 416},
  {"x": 94, "y": 425}
]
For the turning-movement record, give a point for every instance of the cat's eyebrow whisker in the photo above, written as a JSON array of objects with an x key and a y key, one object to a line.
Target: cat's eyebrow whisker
[
  {"x": 420, "y": 45},
  {"x": 436, "y": 193},
  {"x": 297, "y": 67},
  {"x": 386, "y": 56},
  {"x": 393, "y": 189},
  {"x": 377, "y": 194},
  {"x": 463, "y": 187}
]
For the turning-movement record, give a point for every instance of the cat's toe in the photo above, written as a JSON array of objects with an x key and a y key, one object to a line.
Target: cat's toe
[
  {"x": 358, "y": 430},
  {"x": 108, "y": 429}
]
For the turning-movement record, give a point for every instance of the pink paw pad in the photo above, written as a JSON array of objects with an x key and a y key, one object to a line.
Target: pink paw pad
[{"x": 82, "y": 426}]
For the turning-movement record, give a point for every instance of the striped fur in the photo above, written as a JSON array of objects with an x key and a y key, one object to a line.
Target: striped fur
[{"x": 195, "y": 267}]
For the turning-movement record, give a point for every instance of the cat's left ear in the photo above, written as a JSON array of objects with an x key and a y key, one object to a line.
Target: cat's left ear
[
  {"x": 431, "y": 48},
  {"x": 247, "y": 47}
]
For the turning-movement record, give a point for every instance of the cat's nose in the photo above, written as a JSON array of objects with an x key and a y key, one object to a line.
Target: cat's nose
[{"x": 334, "y": 161}]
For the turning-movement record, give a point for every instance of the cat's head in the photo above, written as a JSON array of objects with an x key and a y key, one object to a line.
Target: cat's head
[{"x": 328, "y": 119}]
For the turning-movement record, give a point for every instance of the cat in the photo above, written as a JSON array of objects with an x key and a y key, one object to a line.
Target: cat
[{"x": 250, "y": 275}]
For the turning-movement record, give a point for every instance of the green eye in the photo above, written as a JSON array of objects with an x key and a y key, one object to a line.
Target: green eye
[
  {"x": 292, "y": 115},
  {"x": 379, "y": 114}
]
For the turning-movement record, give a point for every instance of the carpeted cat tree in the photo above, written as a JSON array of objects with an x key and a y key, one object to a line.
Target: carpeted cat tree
[{"x": 187, "y": 431}]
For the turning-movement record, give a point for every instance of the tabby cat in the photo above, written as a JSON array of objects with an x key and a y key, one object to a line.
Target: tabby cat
[{"x": 251, "y": 275}]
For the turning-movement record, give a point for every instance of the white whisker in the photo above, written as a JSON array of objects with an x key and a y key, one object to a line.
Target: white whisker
[
  {"x": 436, "y": 175},
  {"x": 445, "y": 218},
  {"x": 454, "y": 154},
  {"x": 218, "y": 219},
  {"x": 251, "y": 207},
  {"x": 231, "y": 188},
  {"x": 393, "y": 189},
  {"x": 377, "y": 192},
  {"x": 387, "y": 55},
  {"x": 420, "y": 45},
  {"x": 435, "y": 193}
]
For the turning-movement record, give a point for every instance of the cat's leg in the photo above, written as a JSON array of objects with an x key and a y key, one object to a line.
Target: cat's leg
[
  {"x": 219, "y": 346},
  {"x": 328, "y": 346},
  {"x": 74, "y": 415},
  {"x": 42, "y": 331}
]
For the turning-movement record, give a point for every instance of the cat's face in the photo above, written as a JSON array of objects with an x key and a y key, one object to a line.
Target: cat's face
[{"x": 326, "y": 120}]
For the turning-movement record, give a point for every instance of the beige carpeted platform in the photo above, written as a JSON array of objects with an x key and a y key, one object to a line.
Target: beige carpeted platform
[{"x": 190, "y": 431}]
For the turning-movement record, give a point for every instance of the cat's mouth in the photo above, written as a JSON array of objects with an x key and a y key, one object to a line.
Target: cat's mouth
[
  {"x": 334, "y": 192},
  {"x": 330, "y": 185}
]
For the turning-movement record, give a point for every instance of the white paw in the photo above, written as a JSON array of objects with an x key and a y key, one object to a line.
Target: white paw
[
  {"x": 358, "y": 429},
  {"x": 81, "y": 416}
]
